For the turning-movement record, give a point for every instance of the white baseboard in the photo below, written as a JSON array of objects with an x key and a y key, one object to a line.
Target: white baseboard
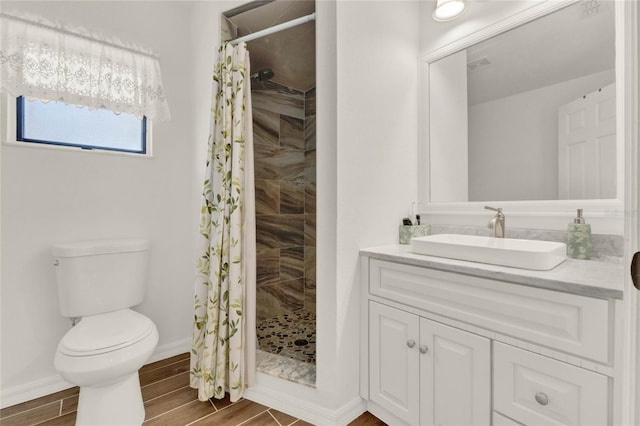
[
  {"x": 48, "y": 385},
  {"x": 170, "y": 349},
  {"x": 32, "y": 390},
  {"x": 350, "y": 411},
  {"x": 303, "y": 408}
]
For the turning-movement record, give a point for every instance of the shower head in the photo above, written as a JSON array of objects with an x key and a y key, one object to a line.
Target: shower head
[{"x": 264, "y": 74}]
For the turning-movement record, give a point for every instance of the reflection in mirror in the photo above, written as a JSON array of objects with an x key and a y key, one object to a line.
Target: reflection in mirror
[{"x": 528, "y": 114}]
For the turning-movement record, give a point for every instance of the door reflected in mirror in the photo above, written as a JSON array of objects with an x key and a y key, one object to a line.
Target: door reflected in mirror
[{"x": 529, "y": 114}]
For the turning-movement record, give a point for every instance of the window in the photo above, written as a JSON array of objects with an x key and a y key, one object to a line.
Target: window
[
  {"x": 56, "y": 123},
  {"x": 51, "y": 61}
]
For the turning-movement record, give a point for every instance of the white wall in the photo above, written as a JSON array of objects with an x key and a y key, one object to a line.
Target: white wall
[
  {"x": 376, "y": 148},
  {"x": 205, "y": 39},
  {"x": 58, "y": 195}
]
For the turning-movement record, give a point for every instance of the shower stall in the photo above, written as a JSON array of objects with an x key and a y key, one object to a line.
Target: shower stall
[
  {"x": 283, "y": 107},
  {"x": 285, "y": 170}
]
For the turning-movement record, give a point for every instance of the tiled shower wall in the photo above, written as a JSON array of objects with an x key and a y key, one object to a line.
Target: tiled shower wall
[{"x": 285, "y": 173}]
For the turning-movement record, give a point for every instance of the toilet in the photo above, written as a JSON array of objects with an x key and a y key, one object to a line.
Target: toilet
[{"x": 98, "y": 283}]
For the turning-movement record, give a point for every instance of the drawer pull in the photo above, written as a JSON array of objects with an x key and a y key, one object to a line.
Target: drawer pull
[
  {"x": 542, "y": 399},
  {"x": 424, "y": 349},
  {"x": 411, "y": 343}
]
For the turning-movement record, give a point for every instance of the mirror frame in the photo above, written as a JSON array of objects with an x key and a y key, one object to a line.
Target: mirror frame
[{"x": 606, "y": 216}]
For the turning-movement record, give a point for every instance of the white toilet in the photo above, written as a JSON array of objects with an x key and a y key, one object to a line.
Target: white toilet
[{"x": 98, "y": 281}]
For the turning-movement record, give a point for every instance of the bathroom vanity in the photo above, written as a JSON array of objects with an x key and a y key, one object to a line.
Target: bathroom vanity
[{"x": 454, "y": 342}]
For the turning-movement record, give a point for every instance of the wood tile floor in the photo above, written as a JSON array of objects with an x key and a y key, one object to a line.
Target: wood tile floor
[{"x": 168, "y": 401}]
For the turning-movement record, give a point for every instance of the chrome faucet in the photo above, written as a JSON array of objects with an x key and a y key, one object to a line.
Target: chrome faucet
[{"x": 497, "y": 222}]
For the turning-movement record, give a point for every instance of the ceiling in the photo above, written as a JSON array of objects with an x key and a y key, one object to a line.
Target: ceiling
[
  {"x": 290, "y": 53},
  {"x": 567, "y": 44}
]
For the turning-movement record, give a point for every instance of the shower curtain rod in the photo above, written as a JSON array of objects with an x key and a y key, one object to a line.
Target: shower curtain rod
[{"x": 275, "y": 28}]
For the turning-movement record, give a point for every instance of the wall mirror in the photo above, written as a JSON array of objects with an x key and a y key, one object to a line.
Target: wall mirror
[{"x": 527, "y": 114}]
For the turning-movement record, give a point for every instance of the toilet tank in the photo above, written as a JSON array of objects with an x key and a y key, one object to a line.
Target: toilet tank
[{"x": 100, "y": 276}]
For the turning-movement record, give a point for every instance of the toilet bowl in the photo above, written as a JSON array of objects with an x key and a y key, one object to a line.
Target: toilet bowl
[
  {"x": 102, "y": 354},
  {"x": 98, "y": 281}
]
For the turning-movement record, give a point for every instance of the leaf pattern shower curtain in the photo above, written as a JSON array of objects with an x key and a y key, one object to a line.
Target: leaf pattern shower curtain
[{"x": 223, "y": 346}]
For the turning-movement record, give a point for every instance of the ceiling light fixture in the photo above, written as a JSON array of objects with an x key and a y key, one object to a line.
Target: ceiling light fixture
[{"x": 447, "y": 10}]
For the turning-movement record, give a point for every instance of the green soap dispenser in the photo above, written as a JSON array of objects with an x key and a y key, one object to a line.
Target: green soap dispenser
[{"x": 579, "y": 238}]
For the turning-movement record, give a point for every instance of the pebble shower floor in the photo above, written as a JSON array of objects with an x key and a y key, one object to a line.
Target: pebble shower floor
[{"x": 291, "y": 335}]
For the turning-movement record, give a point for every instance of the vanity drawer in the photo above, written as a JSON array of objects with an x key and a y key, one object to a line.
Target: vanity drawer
[
  {"x": 567, "y": 322},
  {"x": 535, "y": 390}
]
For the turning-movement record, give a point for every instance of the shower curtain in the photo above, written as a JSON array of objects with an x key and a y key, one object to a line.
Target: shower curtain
[{"x": 223, "y": 346}]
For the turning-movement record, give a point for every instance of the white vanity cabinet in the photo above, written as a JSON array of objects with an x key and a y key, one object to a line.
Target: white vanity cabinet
[
  {"x": 445, "y": 348},
  {"x": 425, "y": 372}
]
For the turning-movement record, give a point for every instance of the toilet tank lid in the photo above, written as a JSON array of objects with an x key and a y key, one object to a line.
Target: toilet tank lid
[{"x": 94, "y": 247}]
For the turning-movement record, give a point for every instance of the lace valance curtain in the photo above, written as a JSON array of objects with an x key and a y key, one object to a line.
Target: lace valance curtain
[{"x": 47, "y": 61}]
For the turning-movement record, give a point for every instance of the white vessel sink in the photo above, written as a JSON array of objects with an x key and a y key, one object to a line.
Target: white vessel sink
[{"x": 526, "y": 254}]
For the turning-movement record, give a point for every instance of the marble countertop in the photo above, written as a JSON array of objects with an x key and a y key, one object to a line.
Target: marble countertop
[{"x": 584, "y": 277}]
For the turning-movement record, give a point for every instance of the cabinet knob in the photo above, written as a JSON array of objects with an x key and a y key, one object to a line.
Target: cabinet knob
[
  {"x": 424, "y": 349},
  {"x": 411, "y": 343},
  {"x": 541, "y": 398}
]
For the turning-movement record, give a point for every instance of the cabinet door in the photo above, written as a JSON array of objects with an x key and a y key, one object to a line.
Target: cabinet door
[
  {"x": 393, "y": 362},
  {"x": 455, "y": 376}
]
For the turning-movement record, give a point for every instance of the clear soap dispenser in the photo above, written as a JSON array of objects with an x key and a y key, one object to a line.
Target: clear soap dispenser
[{"x": 579, "y": 238}]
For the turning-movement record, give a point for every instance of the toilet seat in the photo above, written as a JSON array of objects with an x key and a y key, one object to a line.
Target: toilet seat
[{"x": 108, "y": 332}]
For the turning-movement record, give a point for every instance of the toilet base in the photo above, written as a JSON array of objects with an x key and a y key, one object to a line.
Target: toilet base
[{"x": 118, "y": 403}]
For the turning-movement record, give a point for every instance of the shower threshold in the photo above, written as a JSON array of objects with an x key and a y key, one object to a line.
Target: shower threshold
[{"x": 286, "y": 368}]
